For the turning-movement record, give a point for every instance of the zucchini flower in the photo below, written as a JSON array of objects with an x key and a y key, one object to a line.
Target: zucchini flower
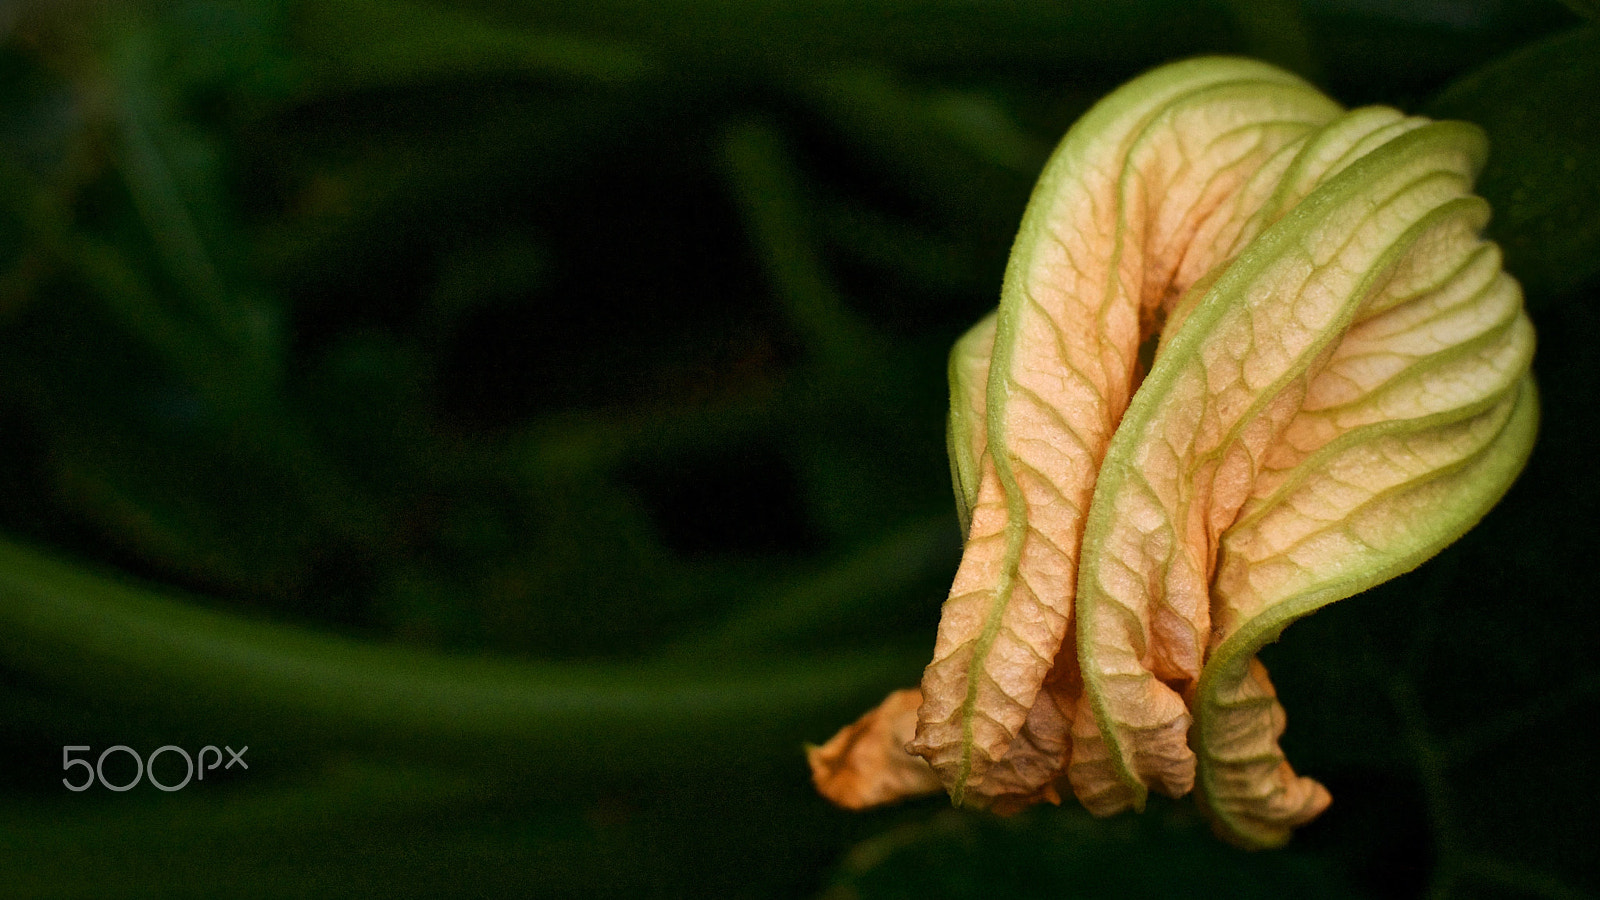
[{"x": 1252, "y": 356}]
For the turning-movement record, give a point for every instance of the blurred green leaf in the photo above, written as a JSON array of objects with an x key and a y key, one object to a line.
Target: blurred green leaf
[
  {"x": 1589, "y": 9},
  {"x": 172, "y": 175},
  {"x": 1275, "y": 31},
  {"x": 797, "y": 34},
  {"x": 1543, "y": 176},
  {"x": 958, "y": 153},
  {"x": 769, "y": 191},
  {"x": 362, "y": 44}
]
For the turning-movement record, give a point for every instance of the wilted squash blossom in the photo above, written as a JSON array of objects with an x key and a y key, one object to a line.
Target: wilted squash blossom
[{"x": 1339, "y": 388}]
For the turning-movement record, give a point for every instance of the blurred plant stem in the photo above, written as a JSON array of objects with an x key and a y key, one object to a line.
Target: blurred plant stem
[
  {"x": 768, "y": 188},
  {"x": 571, "y": 720}
]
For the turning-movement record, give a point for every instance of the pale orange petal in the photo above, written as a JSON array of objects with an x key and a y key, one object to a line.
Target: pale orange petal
[{"x": 1102, "y": 251}]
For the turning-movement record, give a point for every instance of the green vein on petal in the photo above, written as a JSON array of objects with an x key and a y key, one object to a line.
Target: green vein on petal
[
  {"x": 1080, "y": 296},
  {"x": 1341, "y": 388},
  {"x": 1258, "y": 805},
  {"x": 1220, "y": 393}
]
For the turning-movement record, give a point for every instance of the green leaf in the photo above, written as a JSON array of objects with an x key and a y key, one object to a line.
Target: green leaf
[
  {"x": 1589, "y": 9},
  {"x": 361, "y": 44},
  {"x": 1543, "y": 175}
]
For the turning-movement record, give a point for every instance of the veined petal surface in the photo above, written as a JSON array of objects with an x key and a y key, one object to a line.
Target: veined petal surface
[
  {"x": 1340, "y": 389},
  {"x": 1103, "y": 251}
]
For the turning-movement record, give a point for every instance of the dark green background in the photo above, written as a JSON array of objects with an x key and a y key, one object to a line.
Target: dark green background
[{"x": 521, "y": 424}]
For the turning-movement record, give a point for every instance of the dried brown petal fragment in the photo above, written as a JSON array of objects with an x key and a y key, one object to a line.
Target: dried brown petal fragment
[{"x": 866, "y": 763}]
